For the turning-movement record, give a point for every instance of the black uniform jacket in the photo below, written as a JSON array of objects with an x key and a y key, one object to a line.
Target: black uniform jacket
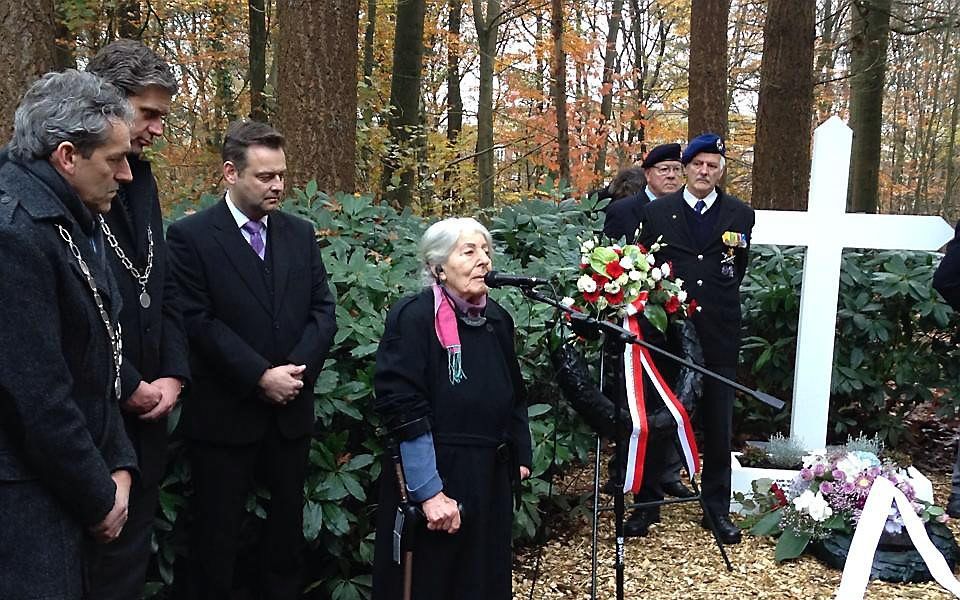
[
  {"x": 623, "y": 216},
  {"x": 61, "y": 433},
  {"x": 717, "y": 292},
  {"x": 244, "y": 315},
  {"x": 946, "y": 279},
  {"x": 154, "y": 342}
]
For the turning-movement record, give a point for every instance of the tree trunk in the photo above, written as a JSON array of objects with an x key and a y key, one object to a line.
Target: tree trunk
[
  {"x": 825, "y": 61},
  {"x": 950, "y": 183},
  {"x": 708, "y": 67},
  {"x": 128, "y": 20},
  {"x": 399, "y": 176},
  {"x": 559, "y": 80},
  {"x": 63, "y": 55},
  {"x": 454, "y": 98},
  {"x": 869, "y": 34},
  {"x": 317, "y": 89},
  {"x": 258, "y": 59},
  {"x": 606, "y": 103},
  {"x": 369, "y": 34},
  {"x": 781, "y": 167},
  {"x": 28, "y": 33},
  {"x": 487, "y": 24}
]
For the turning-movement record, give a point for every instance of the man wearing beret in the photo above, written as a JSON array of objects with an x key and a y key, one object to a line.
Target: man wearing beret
[
  {"x": 663, "y": 171},
  {"x": 946, "y": 280},
  {"x": 706, "y": 236}
]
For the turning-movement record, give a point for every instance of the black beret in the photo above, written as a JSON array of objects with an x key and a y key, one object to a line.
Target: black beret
[
  {"x": 660, "y": 154},
  {"x": 710, "y": 143}
]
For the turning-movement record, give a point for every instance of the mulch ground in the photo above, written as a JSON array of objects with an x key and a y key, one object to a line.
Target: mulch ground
[{"x": 680, "y": 560}]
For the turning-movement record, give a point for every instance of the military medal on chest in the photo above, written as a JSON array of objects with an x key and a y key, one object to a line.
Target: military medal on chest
[
  {"x": 731, "y": 241},
  {"x": 141, "y": 277}
]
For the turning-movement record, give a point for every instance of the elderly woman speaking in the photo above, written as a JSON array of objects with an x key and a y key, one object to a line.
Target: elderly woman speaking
[{"x": 448, "y": 386}]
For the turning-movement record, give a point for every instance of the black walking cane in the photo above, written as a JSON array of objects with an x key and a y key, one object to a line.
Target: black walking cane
[{"x": 404, "y": 525}]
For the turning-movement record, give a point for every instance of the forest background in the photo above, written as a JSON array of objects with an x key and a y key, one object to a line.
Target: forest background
[
  {"x": 506, "y": 108},
  {"x": 446, "y": 105}
]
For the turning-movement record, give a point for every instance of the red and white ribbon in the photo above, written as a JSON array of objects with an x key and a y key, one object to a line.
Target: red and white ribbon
[{"x": 636, "y": 361}]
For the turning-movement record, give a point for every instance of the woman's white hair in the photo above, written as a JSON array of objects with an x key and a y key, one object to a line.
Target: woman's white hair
[{"x": 439, "y": 240}]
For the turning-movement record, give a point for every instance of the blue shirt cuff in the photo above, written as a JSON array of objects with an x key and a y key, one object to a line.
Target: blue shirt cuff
[{"x": 420, "y": 467}]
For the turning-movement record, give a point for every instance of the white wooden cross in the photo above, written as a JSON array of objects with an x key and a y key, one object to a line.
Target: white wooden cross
[{"x": 826, "y": 229}]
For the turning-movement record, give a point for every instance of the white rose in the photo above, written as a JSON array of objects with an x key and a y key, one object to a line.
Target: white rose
[
  {"x": 665, "y": 269},
  {"x": 626, "y": 262},
  {"x": 682, "y": 295},
  {"x": 656, "y": 274},
  {"x": 587, "y": 246},
  {"x": 584, "y": 259},
  {"x": 567, "y": 301},
  {"x": 819, "y": 509},
  {"x": 635, "y": 275},
  {"x": 802, "y": 502},
  {"x": 586, "y": 284},
  {"x": 679, "y": 282},
  {"x": 611, "y": 287},
  {"x": 651, "y": 259}
]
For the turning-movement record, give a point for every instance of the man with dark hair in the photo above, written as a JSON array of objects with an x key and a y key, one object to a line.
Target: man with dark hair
[
  {"x": 706, "y": 236},
  {"x": 946, "y": 280},
  {"x": 154, "y": 344},
  {"x": 662, "y": 172},
  {"x": 65, "y": 462},
  {"x": 260, "y": 319}
]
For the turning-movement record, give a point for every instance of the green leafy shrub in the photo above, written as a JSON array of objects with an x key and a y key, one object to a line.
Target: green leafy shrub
[{"x": 895, "y": 345}]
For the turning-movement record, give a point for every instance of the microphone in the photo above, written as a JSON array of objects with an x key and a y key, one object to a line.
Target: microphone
[{"x": 495, "y": 280}]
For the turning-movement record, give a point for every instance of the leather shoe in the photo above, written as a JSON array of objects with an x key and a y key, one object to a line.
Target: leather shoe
[
  {"x": 677, "y": 490},
  {"x": 726, "y": 530},
  {"x": 953, "y": 506},
  {"x": 639, "y": 521}
]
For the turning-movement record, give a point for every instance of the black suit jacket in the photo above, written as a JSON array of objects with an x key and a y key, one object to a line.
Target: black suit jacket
[
  {"x": 154, "y": 341},
  {"x": 946, "y": 279},
  {"x": 244, "y": 315},
  {"x": 623, "y": 216},
  {"x": 718, "y": 322}
]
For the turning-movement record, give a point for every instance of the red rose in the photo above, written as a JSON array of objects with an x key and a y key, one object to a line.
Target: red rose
[
  {"x": 593, "y": 296},
  {"x": 672, "y": 305},
  {"x": 781, "y": 497},
  {"x": 692, "y": 307},
  {"x": 614, "y": 269},
  {"x": 615, "y": 298}
]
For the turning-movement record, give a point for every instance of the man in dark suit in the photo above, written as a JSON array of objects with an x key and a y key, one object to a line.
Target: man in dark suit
[
  {"x": 946, "y": 280},
  {"x": 664, "y": 175},
  {"x": 154, "y": 343},
  {"x": 65, "y": 462},
  {"x": 260, "y": 319},
  {"x": 706, "y": 236}
]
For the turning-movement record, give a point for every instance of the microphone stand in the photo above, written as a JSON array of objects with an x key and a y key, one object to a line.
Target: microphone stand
[{"x": 615, "y": 338}]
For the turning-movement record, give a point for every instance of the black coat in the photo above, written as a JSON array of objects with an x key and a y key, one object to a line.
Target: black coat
[
  {"x": 154, "y": 342},
  {"x": 718, "y": 322},
  {"x": 61, "y": 434},
  {"x": 946, "y": 279},
  {"x": 623, "y": 216},
  {"x": 468, "y": 421},
  {"x": 244, "y": 315}
]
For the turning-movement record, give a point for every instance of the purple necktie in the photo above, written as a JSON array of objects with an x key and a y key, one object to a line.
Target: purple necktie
[{"x": 256, "y": 240}]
